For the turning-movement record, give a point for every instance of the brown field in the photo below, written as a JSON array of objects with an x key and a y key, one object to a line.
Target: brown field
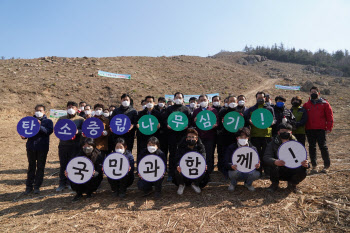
[{"x": 323, "y": 207}]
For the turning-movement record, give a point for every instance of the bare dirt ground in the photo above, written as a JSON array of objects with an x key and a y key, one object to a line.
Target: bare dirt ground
[{"x": 323, "y": 207}]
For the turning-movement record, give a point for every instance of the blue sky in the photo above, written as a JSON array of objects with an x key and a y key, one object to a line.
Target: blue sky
[{"x": 107, "y": 28}]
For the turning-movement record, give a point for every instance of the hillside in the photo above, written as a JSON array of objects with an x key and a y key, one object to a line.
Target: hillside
[{"x": 324, "y": 206}]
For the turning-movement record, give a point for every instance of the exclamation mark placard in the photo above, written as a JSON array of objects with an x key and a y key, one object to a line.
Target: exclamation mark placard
[{"x": 262, "y": 118}]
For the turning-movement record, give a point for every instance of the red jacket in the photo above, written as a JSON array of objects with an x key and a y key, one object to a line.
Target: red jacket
[{"x": 320, "y": 115}]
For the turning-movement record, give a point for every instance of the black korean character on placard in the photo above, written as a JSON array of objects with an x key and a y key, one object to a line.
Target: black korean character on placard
[
  {"x": 114, "y": 163},
  {"x": 153, "y": 168},
  {"x": 80, "y": 170},
  {"x": 247, "y": 159},
  {"x": 190, "y": 163}
]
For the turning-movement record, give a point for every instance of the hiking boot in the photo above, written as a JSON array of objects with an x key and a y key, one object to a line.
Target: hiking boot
[
  {"x": 294, "y": 188},
  {"x": 36, "y": 191},
  {"x": 27, "y": 191},
  {"x": 325, "y": 170},
  {"x": 157, "y": 194},
  {"x": 60, "y": 188},
  {"x": 181, "y": 189},
  {"x": 273, "y": 187},
  {"x": 196, "y": 188},
  {"x": 313, "y": 170},
  {"x": 77, "y": 197}
]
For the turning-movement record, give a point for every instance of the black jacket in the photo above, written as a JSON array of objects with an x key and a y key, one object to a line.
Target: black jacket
[
  {"x": 41, "y": 141},
  {"x": 176, "y": 136},
  {"x": 142, "y": 113},
  {"x": 280, "y": 113},
  {"x": 129, "y": 111},
  {"x": 183, "y": 149}
]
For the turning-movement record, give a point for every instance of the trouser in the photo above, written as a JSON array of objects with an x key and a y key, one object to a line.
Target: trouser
[
  {"x": 209, "y": 152},
  {"x": 260, "y": 143},
  {"x": 248, "y": 178},
  {"x": 294, "y": 176},
  {"x": 301, "y": 138},
  {"x": 36, "y": 167},
  {"x": 221, "y": 157},
  {"x": 66, "y": 153},
  {"x": 147, "y": 186},
  {"x": 172, "y": 162},
  {"x": 88, "y": 187},
  {"x": 121, "y": 184},
  {"x": 319, "y": 136},
  {"x": 182, "y": 180},
  {"x": 163, "y": 141}
]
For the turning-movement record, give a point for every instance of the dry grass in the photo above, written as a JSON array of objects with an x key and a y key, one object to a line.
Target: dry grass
[{"x": 324, "y": 206}]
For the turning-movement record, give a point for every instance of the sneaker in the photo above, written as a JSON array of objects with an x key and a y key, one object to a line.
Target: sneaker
[
  {"x": 27, "y": 191},
  {"x": 77, "y": 197},
  {"x": 69, "y": 187},
  {"x": 250, "y": 187},
  {"x": 170, "y": 178},
  {"x": 181, "y": 189},
  {"x": 231, "y": 188},
  {"x": 196, "y": 188},
  {"x": 273, "y": 187},
  {"x": 36, "y": 191},
  {"x": 60, "y": 188}
]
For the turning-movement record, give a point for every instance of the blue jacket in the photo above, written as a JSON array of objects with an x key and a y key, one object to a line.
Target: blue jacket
[{"x": 41, "y": 141}]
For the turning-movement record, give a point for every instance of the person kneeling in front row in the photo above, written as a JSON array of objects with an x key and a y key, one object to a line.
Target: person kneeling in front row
[
  {"x": 278, "y": 169},
  {"x": 190, "y": 143},
  {"x": 235, "y": 175}
]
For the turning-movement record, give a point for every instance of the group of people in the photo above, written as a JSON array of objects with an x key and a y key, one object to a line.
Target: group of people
[{"x": 311, "y": 120}]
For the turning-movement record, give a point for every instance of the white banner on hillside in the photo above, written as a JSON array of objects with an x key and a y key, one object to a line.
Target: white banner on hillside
[
  {"x": 112, "y": 75},
  {"x": 294, "y": 88},
  {"x": 187, "y": 97},
  {"x": 54, "y": 113}
]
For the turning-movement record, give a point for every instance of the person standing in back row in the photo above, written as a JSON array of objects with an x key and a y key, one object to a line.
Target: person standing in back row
[
  {"x": 174, "y": 137},
  {"x": 70, "y": 148},
  {"x": 319, "y": 123},
  {"x": 127, "y": 109}
]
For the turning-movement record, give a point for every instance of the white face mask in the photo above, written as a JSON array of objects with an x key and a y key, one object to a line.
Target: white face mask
[
  {"x": 71, "y": 111},
  {"x": 87, "y": 112},
  {"x": 178, "y": 101},
  {"x": 192, "y": 105},
  {"x": 242, "y": 141},
  {"x": 149, "y": 105},
  {"x": 232, "y": 105},
  {"x": 161, "y": 105},
  {"x": 121, "y": 151},
  {"x": 82, "y": 108},
  {"x": 241, "y": 103},
  {"x": 126, "y": 103},
  {"x": 39, "y": 114},
  {"x": 226, "y": 105},
  {"x": 106, "y": 114},
  {"x": 151, "y": 149},
  {"x": 204, "y": 104},
  {"x": 98, "y": 112},
  {"x": 216, "y": 104}
]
